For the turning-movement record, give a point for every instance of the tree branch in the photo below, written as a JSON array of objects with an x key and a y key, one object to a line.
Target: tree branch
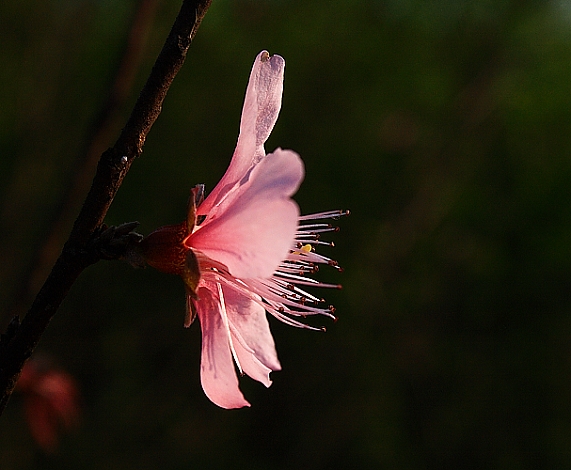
[
  {"x": 19, "y": 342},
  {"x": 80, "y": 176}
]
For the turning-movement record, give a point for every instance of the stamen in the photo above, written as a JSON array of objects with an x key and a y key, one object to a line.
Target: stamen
[
  {"x": 325, "y": 215},
  {"x": 306, "y": 281},
  {"x": 308, "y": 257},
  {"x": 298, "y": 295},
  {"x": 304, "y": 238},
  {"x": 270, "y": 306},
  {"x": 298, "y": 269},
  {"x": 317, "y": 228},
  {"x": 316, "y": 241}
]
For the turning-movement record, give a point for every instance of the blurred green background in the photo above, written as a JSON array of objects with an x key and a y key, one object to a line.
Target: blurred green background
[{"x": 444, "y": 126}]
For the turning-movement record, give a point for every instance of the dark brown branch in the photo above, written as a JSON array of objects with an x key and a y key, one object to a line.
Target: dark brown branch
[
  {"x": 105, "y": 122},
  {"x": 18, "y": 344}
]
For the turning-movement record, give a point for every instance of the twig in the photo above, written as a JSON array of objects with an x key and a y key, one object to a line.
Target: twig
[{"x": 18, "y": 344}]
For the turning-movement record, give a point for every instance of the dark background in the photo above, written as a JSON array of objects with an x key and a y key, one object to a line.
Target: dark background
[{"x": 444, "y": 126}]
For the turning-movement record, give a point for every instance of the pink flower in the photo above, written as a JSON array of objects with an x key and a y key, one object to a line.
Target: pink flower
[
  {"x": 50, "y": 401},
  {"x": 243, "y": 250}
]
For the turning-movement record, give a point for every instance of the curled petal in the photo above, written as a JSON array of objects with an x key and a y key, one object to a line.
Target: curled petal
[
  {"x": 255, "y": 231},
  {"x": 250, "y": 364},
  {"x": 217, "y": 373},
  {"x": 261, "y": 108}
]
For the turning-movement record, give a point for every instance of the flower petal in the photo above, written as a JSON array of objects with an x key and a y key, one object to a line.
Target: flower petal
[
  {"x": 255, "y": 231},
  {"x": 217, "y": 373},
  {"x": 261, "y": 108},
  {"x": 251, "y": 329},
  {"x": 250, "y": 364}
]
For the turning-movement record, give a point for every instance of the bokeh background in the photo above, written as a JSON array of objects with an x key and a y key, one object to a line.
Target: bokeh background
[{"x": 444, "y": 126}]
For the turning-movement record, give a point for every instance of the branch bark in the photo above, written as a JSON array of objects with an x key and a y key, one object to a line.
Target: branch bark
[{"x": 78, "y": 253}]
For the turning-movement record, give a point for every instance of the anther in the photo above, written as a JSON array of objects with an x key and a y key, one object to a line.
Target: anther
[{"x": 307, "y": 248}]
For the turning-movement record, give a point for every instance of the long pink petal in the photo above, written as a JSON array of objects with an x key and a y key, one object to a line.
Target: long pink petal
[
  {"x": 261, "y": 108},
  {"x": 251, "y": 329},
  {"x": 217, "y": 373},
  {"x": 255, "y": 232}
]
